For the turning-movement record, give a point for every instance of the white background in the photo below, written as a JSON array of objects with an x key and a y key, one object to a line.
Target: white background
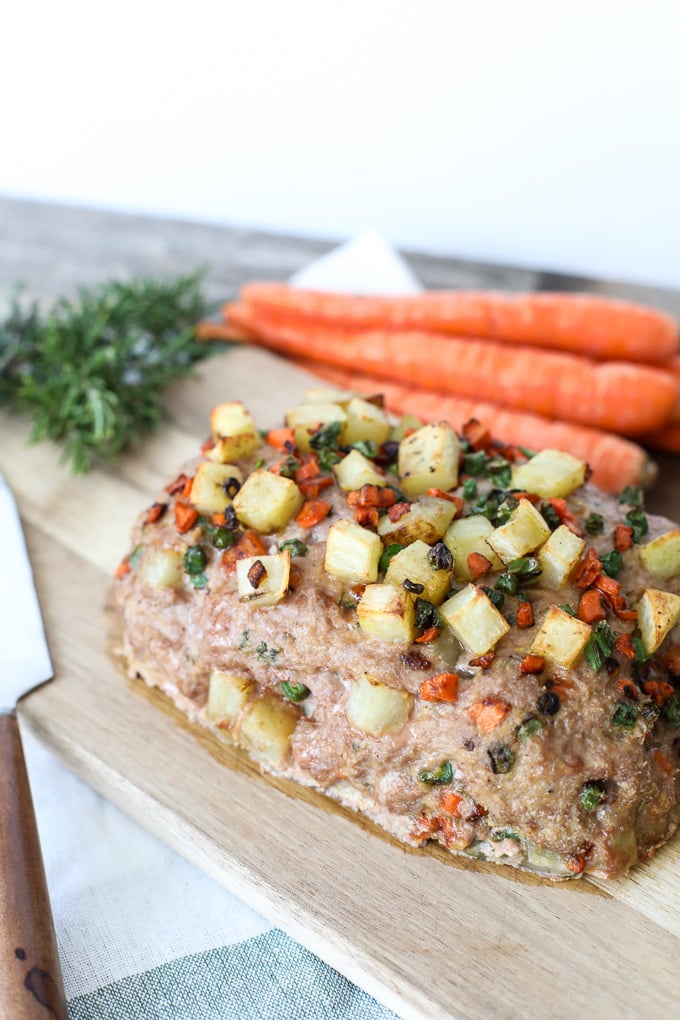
[{"x": 541, "y": 133}]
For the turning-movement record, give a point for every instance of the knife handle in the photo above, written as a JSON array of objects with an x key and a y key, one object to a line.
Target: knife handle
[{"x": 31, "y": 985}]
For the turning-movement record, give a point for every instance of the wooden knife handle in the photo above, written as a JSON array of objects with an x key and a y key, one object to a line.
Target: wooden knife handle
[{"x": 31, "y": 985}]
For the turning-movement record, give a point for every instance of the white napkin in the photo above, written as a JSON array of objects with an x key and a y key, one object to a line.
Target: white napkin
[{"x": 123, "y": 902}]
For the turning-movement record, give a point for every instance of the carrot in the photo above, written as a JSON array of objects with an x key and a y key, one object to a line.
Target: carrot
[
  {"x": 623, "y": 537},
  {"x": 208, "y": 330},
  {"x": 372, "y": 495},
  {"x": 177, "y": 485},
  {"x": 590, "y": 607},
  {"x": 588, "y": 570},
  {"x": 532, "y": 664},
  {"x": 313, "y": 512},
  {"x": 659, "y": 691},
  {"x": 248, "y": 544},
  {"x": 185, "y": 516},
  {"x": 442, "y": 687},
  {"x": 367, "y": 516},
  {"x": 451, "y": 498},
  {"x": 428, "y": 635},
  {"x": 478, "y": 565},
  {"x": 624, "y": 645},
  {"x": 488, "y": 713},
  {"x": 311, "y": 487},
  {"x": 525, "y": 615},
  {"x": 281, "y": 439},
  {"x": 565, "y": 515},
  {"x": 603, "y": 327},
  {"x": 627, "y": 688},
  {"x": 155, "y": 512},
  {"x": 309, "y": 468},
  {"x": 615, "y": 461},
  {"x": 450, "y": 801},
  {"x": 123, "y": 568},
  {"x": 661, "y": 761},
  {"x": 613, "y": 395}
]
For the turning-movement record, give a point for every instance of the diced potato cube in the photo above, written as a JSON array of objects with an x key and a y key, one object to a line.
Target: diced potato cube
[
  {"x": 429, "y": 459},
  {"x": 227, "y": 696},
  {"x": 366, "y": 421},
  {"x": 267, "y": 728},
  {"x": 468, "y": 535},
  {"x": 412, "y": 564},
  {"x": 427, "y": 520},
  {"x": 549, "y": 474},
  {"x": 409, "y": 423},
  {"x": 266, "y": 502},
  {"x": 355, "y": 470},
  {"x": 387, "y": 612},
  {"x": 162, "y": 568},
  {"x": 561, "y": 637},
  {"x": 305, "y": 419},
  {"x": 658, "y": 612},
  {"x": 328, "y": 395},
  {"x": 559, "y": 556},
  {"x": 376, "y": 708},
  {"x": 263, "y": 589},
  {"x": 352, "y": 552},
  {"x": 234, "y": 432},
  {"x": 523, "y": 532},
  {"x": 474, "y": 620},
  {"x": 214, "y": 486},
  {"x": 661, "y": 556}
]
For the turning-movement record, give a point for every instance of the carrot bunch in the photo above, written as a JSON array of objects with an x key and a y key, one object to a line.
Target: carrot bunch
[{"x": 575, "y": 372}]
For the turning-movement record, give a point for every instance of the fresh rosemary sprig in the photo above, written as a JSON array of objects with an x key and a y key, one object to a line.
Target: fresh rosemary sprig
[{"x": 90, "y": 371}]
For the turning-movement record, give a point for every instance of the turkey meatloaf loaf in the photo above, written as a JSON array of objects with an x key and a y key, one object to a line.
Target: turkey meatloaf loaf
[{"x": 467, "y": 642}]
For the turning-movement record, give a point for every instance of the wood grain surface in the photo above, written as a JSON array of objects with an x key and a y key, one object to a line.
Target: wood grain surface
[{"x": 428, "y": 934}]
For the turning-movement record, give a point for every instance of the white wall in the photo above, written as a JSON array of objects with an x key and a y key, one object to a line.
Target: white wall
[{"x": 534, "y": 132}]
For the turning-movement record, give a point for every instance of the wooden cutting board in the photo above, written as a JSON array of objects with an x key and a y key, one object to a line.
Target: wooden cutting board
[{"x": 427, "y": 934}]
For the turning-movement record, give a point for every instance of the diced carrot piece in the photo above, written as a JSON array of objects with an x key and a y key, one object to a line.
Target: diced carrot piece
[
  {"x": 186, "y": 491},
  {"x": 308, "y": 469},
  {"x": 218, "y": 520},
  {"x": 624, "y": 645},
  {"x": 566, "y": 516},
  {"x": 442, "y": 687},
  {"x": 313, "y": 512},
  {"x": 488, "y": 713},
  {"x": 185, "y": 516},
  {"x": 174, "y": 487},
  {"x": 372, "y": 495},
  {"x": 247, "y": 544},
  {"x": 608, "y": 586},
  {"x": 424, "y": 828},
  {"x": 396, "y": 512},
  {"x": 282, "y": 439},
  {"x": 659, "y": 691},
  {"x": 440, "y": 494},
  {"x": 123, "y": 568},
  {"x": 450, "y": 801},
  {"x": 672, "y": 660},
  {"x": 588, "y": 570},
  {"x": 532, "y": 664},
  {"x": 428, "y": 635},
  {"x": 367, "y": 516},
  {"x": 622, "y": 610},
  {"x": 525, "y": 615},
  {"x": 311, "y": 487},
  {"x": 623, "y": 537},
  {"x": 483, "y": 661},
  {"x": 155, "y": 512},
  {"x": 590, "y": 607},
  {"x": 477, "y": 434},
  {"x": 531, "y": 496},
  {"x": 478, "y": 565},
  {"x": 575, "y": 863},
  {"x": 661, "y": 761},
  {"x": 627, "y": 688}
]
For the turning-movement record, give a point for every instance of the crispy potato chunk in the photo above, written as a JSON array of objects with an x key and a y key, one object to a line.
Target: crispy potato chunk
[
  {"x": 355, "y": 470},
  {"x": 266, "y": 584},
  {"x": 426, "y": 520},
  {"x": 412, "y": 564},
  {"x": 474, "y": 620},
  {"x": 468, "y": 535},
  {"x": 549, "y": 474},
  {"x": 429, "y": 459},
  {"x": 376, "y": 708},
  {"x": 559, "y": 556},
  {"x": 267, "y": 728},
  {"x": 561, "y": 638},
  {"x": 387, "y": 612},
  {"x": 209, "y": 489},
  {"x": 227, "y": 696},
  {"x": 352, "y": 552},
  {"x": 661, "y": 557},
  {"x": 658, "y": 612},
  {"x": 267, "y": 502},
  {"x": 522, "y": 533}
]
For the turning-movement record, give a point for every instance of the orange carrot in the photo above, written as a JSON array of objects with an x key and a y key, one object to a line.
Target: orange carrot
[
  {"x": 281, "y": 439},
  {"x": 615, "y": 461},
  {"x": 312, "y": 512},
  {"x": 525, "y": 615},
  {"x": 442, "y": 687},
  {"x": 613, "y": 395},
  {"x": 367, "y": 516},
  {"x": 248, "y": 544},
  {"x": 155, "y": 512},
  {"x": 123, "y": 568},
  {"x": 659, "y": 691},
  {"x": 372, "y": 495},
  {"x": 450, "y": 801},
  {"x": 478, "y": 565},
  {"x": 210, "y": 330},
  {"x": 624, "y": 645},
  {"x": 590, "y": 607},
  {"x": 488, "y": 713},
  {"x": 311, "y": 487},
  {"x": 603, "y": 327},
  {"x": 661, "y": 761},
  {"x": 428, "y": 635},
  {"x": 623, "y": 537},
  {"x": 532, "y": 664},
  {"x": 185, "y": 516}
]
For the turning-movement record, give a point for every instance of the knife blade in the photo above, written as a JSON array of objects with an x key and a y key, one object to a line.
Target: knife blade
[{"x": 31, "y": 984}]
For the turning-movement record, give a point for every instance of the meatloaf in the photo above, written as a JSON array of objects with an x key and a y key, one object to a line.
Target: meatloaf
[{"x": 465, "y": 641}]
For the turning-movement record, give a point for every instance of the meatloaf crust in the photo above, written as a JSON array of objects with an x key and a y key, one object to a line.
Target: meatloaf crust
[{"x": 508, "y": 755}]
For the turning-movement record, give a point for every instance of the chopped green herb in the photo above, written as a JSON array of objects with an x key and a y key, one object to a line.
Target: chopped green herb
[
  {"x": 135, "y": 556},
  {"x": 195, "y": 559},
  {"x": 592, "y": 794},
  {"x": 641, "y": 654},
  {"x": 327, "y": 458},
  {"x": 440, "y": 557},
  {"x": 289, "y": 467},
  {"x": 326, "y": 438},
  {"x": 222, "y": 538},
  {"x": 637, "y": 520},
  {"x": 529, "y": 727},
  {"x": 632, "y": 495},
  {"x": 295, "y": 692},
  {"x": 295, "y": 547},
  {"x": 595, "y": 524},
  {"x": 625, "y": 716},
  {"x": 500, "y": 471},
  {"x": 550, "y": 515},
  {"x": 258, "y": 464},
  {"x": 496, "y": 597},
  {"x": 367, "y": 447},
  {"x": 245, "y": 638},
  {"x": 671, "y": 710},
  {"x": 525, "y": 566},
  {"x": 568, "y": 609},
  {"x": 388, "y": 552},
  {"x": 439, "y": 776},
  {"x": 199, "y": 580},
  {"x": 475, "y": 463},
  {"x": 498, "y": 835},
  {"x": 527, "y": 452},
  {"x": 346, "y": 601},
  {"x": 501, "y": 757},
  {"x": 611, "y": 562},
  {"x": 469, "y": 489},
  {"x": 426, "y": 615},
  {"x": 505, "y": 510},
  {"x": 508, "y": 583},
  {"x": 266, "y": 654},
  {"x": 600, "y": 645}
]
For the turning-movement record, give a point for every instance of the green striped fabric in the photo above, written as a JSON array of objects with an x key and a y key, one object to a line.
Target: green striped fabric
[{"x": 268, "y": 977}]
